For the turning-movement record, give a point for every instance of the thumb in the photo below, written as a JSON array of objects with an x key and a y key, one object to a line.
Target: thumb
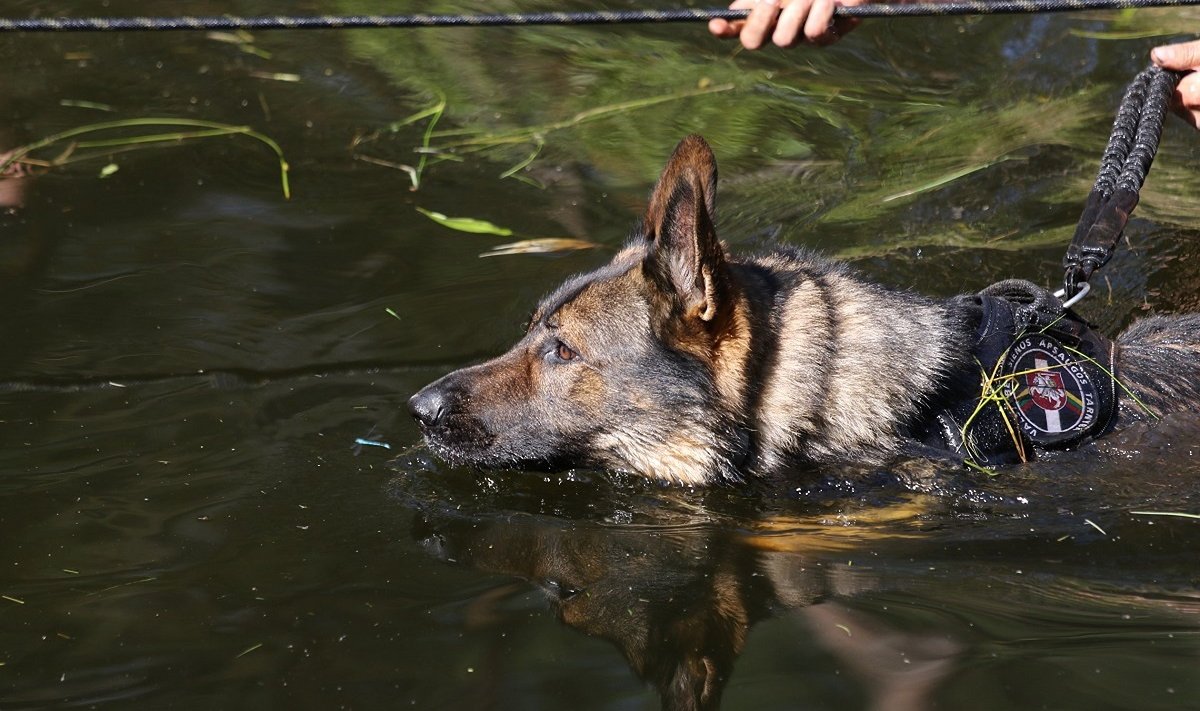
[{"x": 1185, "y": 55}]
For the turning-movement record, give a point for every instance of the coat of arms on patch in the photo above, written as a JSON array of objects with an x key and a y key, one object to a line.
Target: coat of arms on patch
[{"x": 1049, "y": 389}]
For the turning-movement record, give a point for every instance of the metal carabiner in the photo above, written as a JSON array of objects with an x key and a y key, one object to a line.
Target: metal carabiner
[{"x": 1084, "y": 289}]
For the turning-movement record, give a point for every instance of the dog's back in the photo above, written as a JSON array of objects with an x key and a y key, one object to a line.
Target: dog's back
[
  {"x": 846, "y": 363},
  {"x": 1159, "y": 362}
]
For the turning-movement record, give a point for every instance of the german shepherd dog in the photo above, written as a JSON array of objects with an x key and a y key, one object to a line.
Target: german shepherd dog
[{"x": 681, "y": 363}]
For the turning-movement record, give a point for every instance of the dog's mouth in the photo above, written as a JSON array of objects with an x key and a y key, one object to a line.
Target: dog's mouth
[
  {"x": 465, "y": 442},
  {"x": 458, "y": 440}
]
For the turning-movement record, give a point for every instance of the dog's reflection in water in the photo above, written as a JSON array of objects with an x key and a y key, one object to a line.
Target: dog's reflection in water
[{"x": 680, "y": 602}]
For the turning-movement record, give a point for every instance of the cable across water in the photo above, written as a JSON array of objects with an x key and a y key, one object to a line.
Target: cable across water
[{"x": 589, "y": 17}]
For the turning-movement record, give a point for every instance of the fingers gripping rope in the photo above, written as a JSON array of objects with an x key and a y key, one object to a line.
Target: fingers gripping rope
[
  {"x": 1123, "y": 168},
  {"x": 596, "y": 17}
]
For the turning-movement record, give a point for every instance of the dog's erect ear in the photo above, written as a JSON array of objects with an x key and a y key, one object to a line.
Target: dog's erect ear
[{"x": 685, "y": 256}]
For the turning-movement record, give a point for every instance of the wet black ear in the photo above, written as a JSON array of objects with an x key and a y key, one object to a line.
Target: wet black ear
[{"x": 685, "y": 256}]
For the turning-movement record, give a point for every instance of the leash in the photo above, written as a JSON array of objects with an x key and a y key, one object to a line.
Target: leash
[
  {"x": 1123, "y": 168},
  {"x": 594, "y": 17}
]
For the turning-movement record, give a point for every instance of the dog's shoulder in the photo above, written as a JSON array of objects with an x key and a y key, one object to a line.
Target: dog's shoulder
[{"x": 798, "y": 261}]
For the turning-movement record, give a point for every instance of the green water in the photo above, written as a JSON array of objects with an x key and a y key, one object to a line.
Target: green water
[{"x": 187, "y": 360}]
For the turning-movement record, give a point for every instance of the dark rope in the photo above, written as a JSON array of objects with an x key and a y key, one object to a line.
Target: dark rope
[
  {"x": 594, "y": 17},
  {"x": 1123, "y": 168}
]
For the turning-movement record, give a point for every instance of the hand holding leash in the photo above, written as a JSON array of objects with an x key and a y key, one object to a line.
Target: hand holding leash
[
  {"x": 1184, "y": 57},
  {"x": 787, "y": 22}
]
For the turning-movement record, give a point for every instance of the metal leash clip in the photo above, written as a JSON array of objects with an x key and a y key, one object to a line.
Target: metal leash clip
[{"x": 1084, "y": 289}]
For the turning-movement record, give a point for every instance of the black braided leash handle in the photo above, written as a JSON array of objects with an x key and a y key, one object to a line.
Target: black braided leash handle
[
  {"x": 595, "y": 17},
  {"x": 1123, "y": 168}
]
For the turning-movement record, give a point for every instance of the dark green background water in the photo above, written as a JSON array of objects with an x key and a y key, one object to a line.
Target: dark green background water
[{"x": 187, "y": 360}]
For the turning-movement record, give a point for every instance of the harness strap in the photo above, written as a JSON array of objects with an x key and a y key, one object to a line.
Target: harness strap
[{"x": 1046, "y": 379}]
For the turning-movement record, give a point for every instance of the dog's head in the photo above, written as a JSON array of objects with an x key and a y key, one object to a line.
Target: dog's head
[{"x": 636, "y": 366}]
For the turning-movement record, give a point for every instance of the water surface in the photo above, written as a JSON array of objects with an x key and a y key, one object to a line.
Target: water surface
[{"x": 188, "y": 359}]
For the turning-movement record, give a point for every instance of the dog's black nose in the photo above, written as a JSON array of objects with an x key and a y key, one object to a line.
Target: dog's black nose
[{"x": 428, "y": 406}]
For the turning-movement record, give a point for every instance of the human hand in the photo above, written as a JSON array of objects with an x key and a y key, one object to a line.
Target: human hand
[
  {"x": 1183, "y": 56},
  {"x": 786, "y": 22}
]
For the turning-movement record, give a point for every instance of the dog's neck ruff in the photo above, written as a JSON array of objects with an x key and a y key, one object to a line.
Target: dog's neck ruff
[{"x": 1046, "y": 379}]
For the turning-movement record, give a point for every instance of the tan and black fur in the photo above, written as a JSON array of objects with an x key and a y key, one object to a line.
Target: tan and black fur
[{"x": 681, "y": 363}]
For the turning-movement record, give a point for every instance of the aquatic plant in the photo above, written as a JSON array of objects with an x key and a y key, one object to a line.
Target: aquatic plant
[{"x": 84, "y": 142}]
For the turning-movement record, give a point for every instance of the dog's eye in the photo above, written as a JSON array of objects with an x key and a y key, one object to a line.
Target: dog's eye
[{"x": 564, "y": 353}]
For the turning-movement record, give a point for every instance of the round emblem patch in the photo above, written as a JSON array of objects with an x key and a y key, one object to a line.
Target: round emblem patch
[{"x": 1049, "y": 389}]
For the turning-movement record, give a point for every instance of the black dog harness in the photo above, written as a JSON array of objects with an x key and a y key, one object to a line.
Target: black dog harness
[{"x": 1044, "y": 378}]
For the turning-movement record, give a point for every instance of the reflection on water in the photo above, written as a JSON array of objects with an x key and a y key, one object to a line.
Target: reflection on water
[
  {"x": 188, "y": 359},
  {"x": 907, "y": 600}
]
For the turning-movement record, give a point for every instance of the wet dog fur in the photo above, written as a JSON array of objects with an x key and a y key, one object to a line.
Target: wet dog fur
[{"x": 682, "y": 363}]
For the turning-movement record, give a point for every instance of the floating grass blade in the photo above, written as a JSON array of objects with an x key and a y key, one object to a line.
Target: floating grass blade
[
  {"x": 991, "y": 391},
  {"x": 466, "y": 224},
  {"x": 520, "y": 166},
  {"x": 208, "y": 129},
  {"x": 1116, "y": 35},
  {"x": 533, "y": 245},
  {"x": 1177, "y": 514},
  {"x": 944, "y": 179},
  {"x": 1132, "y": 395},
  {"x": 539, "y": 246},
  {"x": 83, "y": 104},
  {"x": 278, "y": 76},
  {"x": 433, "y": 113},
  {"x": 172, "y": 137}
]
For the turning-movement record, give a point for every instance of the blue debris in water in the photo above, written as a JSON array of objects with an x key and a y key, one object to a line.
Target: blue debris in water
[{"x": 372, "y": 443}]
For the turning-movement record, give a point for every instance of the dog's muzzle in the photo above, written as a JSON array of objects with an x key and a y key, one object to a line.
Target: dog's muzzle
[{"x": 449, "y": 428}]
